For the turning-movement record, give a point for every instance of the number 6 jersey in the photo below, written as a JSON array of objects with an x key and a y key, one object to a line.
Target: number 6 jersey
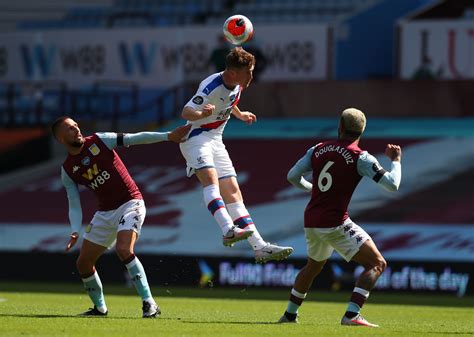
[
  {"x": 337, "y": 168},
  {"x": 100, "y": 169}
]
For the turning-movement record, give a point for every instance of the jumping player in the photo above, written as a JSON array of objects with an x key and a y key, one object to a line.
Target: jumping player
[
  {"x": 337, "y": 167},
  {"x": 206, "y": 156},
  {"x": 92, "y": 162}
]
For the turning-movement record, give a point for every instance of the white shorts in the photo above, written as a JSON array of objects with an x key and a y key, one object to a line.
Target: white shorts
[
  {"x": 105, "y": 225},
  {"x": 346, "y": 239},
  {"x": 205, "y": 152}
]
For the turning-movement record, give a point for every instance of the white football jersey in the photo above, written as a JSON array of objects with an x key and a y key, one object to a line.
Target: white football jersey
[{"x": 213, "y": 91}]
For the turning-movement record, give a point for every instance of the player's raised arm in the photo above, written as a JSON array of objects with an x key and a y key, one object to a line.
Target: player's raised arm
[
  {"x": 296, "y": 174},
  {"x": 75, "y": 209},
  {"x": 369, "y": 166}
]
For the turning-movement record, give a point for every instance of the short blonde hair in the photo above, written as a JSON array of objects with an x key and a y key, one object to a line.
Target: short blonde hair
[{"x": 353, "y": 120}]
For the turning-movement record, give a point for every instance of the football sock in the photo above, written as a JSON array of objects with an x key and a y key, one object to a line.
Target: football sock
[
  {"x": 93, "y": 286},
  {"x": 242, "y": 219},
  {"x": 296, "y": 299},
  {"x": 358, "y": 298},
  {"x": 216, "y": 206},
  {"x": 138, "y": 276}
]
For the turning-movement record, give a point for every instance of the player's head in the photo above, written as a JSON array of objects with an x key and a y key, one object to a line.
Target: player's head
[
  {"x": 67, "y": 132},
  {"x": 239, "y": 66},
  {"x": 351, "y": 124}
]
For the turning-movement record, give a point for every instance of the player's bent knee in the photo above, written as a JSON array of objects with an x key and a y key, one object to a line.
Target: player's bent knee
[
  {"x": 83, "y": 265},
  {"x": 379, "y": 265},
  {"x": 123, "y": 252},
  {"x": 315, "y": 267},
  {"x": 382, "y": 264}
]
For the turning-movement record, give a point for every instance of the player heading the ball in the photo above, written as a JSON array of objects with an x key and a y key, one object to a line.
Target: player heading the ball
[{"x": 206, "y": 156}]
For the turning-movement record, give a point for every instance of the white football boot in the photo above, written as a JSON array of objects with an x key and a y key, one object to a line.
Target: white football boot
[
  {"x": 357, "y": 321},
  {"x": 272, "y": 252},
  {"x": 235, "y": 234}
]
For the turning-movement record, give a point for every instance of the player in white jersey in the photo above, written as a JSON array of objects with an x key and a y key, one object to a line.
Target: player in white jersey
[{"x": 206, "y": 156}]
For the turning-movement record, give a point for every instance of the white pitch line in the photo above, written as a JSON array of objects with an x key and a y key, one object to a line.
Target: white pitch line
[{"x": 3, "y": 300}]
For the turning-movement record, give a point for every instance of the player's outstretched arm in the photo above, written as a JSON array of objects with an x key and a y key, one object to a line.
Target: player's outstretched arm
[
  {"x": 369, "y": 166},
  {"x": 75, "y": 209},
  {"x": 296, "y": 174},
  {"x": 177, "y": 135},
  {"x": 245, "y": 116}
]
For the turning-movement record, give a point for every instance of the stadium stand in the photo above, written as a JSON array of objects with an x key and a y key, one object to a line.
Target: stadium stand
[{"x": 140, "y": 13}]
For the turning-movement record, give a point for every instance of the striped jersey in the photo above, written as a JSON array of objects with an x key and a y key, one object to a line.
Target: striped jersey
[{"x": 213, "y": 91}]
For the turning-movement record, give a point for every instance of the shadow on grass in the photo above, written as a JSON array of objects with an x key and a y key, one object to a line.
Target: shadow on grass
[
  {"x": 440, "y": 300},
  {"x": 226, "y": 322}
]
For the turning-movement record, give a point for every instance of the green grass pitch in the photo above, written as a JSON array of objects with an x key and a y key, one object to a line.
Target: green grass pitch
[{"x": 49, "y": 310}]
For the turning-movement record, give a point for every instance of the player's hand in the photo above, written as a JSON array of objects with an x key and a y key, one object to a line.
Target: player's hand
[
  {"x": 207, "y": 110},
  {"x": 178, "y": 134},
  {"x": 248, "y": 117},
  {"x": 72, "y": 241},
  {"x": 394, "y": 152}
]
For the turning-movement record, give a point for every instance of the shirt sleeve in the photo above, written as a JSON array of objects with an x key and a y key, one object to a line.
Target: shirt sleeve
[
  {"x": 199, "y": 100},
  {"x": 75, "y": 210},
  {"x": 109, "y": 139},
  {"x": 144, "y": 138},
  {"x": 296, "y": 174},
  {"x": 368, "y": 166}
]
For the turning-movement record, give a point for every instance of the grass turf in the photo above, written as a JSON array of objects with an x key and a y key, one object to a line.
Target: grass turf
[{"x": 49, "y": 310}]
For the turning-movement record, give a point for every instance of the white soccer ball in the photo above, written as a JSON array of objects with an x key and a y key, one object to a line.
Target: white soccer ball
[{"x": 238, "y": 29}]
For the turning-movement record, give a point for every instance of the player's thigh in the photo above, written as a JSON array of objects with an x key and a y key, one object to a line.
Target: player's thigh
[
  {"x": 318, "y": 249},
  {"x": 130, "y": 217},
  {"x": 90, "y": 252},
  {"x": 207, "y": 176},
  {"x": 230, "y": 190},
  {"x": 223, "y": 163},
  {"x": 198, "y": 153},
  {"x": 101, "y": 230},
  {"x": 347, "y": 239},
  {"x": 369, "y": 255}
]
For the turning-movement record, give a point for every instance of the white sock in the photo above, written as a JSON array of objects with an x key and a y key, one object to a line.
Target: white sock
[
  {"x": 242, "y": 219},
  {"x": 216, "y": 206}
]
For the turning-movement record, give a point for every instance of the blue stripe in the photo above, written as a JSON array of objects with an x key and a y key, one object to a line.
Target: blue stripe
[
  {"x": 214, "y": 205},
  {"x": 197, "y": 132},
  {"x": 243, "y": 222},
  {"x": 212, "y": 85}
]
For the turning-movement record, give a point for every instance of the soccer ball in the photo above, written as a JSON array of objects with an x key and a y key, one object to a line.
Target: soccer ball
[{"x": 238, "y": 29}]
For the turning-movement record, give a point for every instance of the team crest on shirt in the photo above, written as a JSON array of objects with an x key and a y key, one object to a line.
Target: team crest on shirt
[
  {"x": 94, "y": 149},
  {"x": 85, "y": 161}
]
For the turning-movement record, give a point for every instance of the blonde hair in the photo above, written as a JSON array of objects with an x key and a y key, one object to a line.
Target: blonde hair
[{"x": 353, "y": 120}]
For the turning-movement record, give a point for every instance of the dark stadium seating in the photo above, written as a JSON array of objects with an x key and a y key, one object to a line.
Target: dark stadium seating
[{"x": 133, "y": 13}]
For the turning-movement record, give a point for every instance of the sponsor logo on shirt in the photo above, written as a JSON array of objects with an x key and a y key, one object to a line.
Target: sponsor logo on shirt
[
  {"x": 91, "y": 173},
  {"x": 198, "y": 100},
  {"x": 94, "y": 149}
]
